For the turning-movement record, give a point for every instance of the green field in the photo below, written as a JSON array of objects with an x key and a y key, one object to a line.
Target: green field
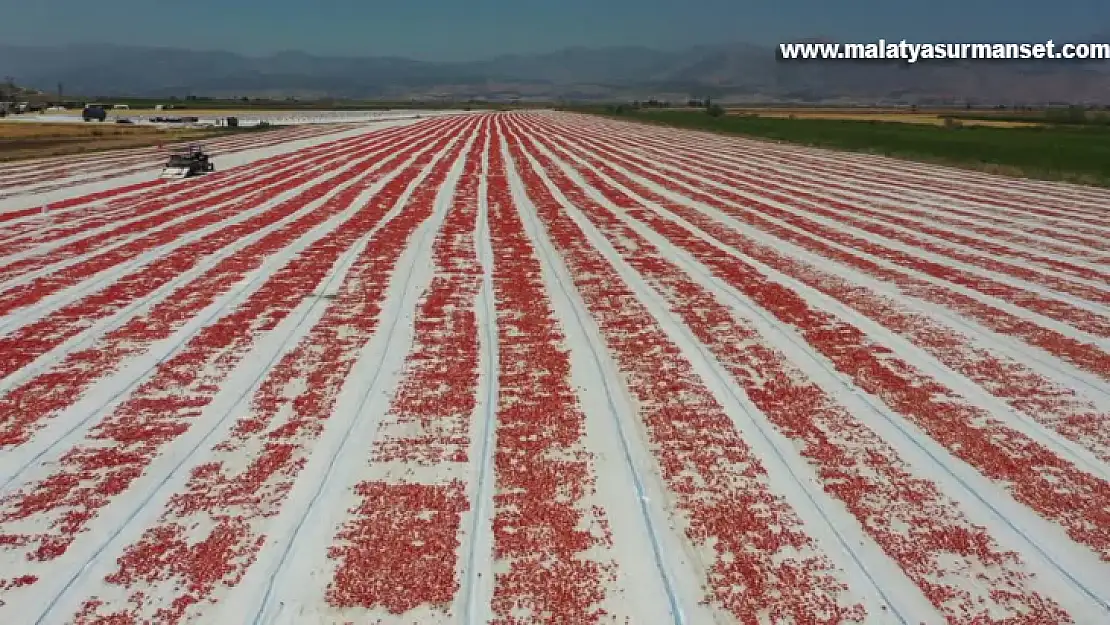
[
  {"x": 1060, "y": 116},
  {"x": 1073, "y": 153}
]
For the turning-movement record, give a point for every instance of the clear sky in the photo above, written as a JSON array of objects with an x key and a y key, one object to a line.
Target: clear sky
[{"x": 472, "y": 29}]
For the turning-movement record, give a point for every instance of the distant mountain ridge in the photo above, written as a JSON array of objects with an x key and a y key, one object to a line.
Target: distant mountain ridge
[{"x": 727, "y": 72}]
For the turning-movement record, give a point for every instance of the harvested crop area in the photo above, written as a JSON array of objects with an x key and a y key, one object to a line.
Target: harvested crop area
[
  {"x": 543, "y": 367},
  {"x": 20, "y": 140}
]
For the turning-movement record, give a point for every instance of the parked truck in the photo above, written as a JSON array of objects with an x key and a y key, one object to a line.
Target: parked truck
[{"x": 92, "y": 112}]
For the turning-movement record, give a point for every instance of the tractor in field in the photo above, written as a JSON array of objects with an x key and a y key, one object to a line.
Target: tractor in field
[{"x": 188, "y": 161}]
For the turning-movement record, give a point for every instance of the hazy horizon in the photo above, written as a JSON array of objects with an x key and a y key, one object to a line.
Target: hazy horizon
[{"x": 437, "y": 30}]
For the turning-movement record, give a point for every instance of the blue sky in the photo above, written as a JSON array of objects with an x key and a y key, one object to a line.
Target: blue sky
[{"x": 470, "y": 29}]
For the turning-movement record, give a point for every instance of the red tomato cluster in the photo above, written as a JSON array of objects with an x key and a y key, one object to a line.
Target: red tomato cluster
[
  {"x": 1055, "y": 309},
  {"x": 166, "y": 554},
  {"x": 832, "y": 183},
  {"x": 122, "y": 204},
  {"x": 705, "y": 463},
  {"x": 91, "y": 200},
  {"x": 1052, "y": 486},
  {"x": 753, "y": 212},
  {"x": 1071, "y": 208},
  {"x": 31, "y": 341},
  {"x": 542, "y": 529},
  {"x": 198, "y": 201},
  {"x": 120, "y": 447},
  {"x": 856, "y": 465},
  {"x": 429, "y": 420},
  {"x": 1009, "y": 209},
  {"x": 25, "y": 408},
  {"x": 233, "y": 504},
  {"x": 1053, "y": 405},
  {"x": 400, "y": 550},
  {"x": 792, "y": 189}
]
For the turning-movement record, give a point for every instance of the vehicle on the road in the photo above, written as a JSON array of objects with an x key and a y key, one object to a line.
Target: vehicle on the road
[{"x": 92, "y": 112}]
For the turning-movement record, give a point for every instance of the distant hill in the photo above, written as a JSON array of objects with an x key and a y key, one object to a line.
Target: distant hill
[{"x": 727, "y": 72}]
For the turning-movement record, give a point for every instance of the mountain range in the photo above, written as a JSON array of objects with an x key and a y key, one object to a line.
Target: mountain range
[{"x": 729, "y": 72}]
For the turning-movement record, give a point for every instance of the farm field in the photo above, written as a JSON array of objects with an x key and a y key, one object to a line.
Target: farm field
[
  {"x": 56, "y": 134},
  {"x": 22, "y": 141},
  {"x": 932, "y": 118},
  {"x": 1054, "y": 152},
  {"x": 545, "y": 367},
  {"x": 246, "y": 116}
]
